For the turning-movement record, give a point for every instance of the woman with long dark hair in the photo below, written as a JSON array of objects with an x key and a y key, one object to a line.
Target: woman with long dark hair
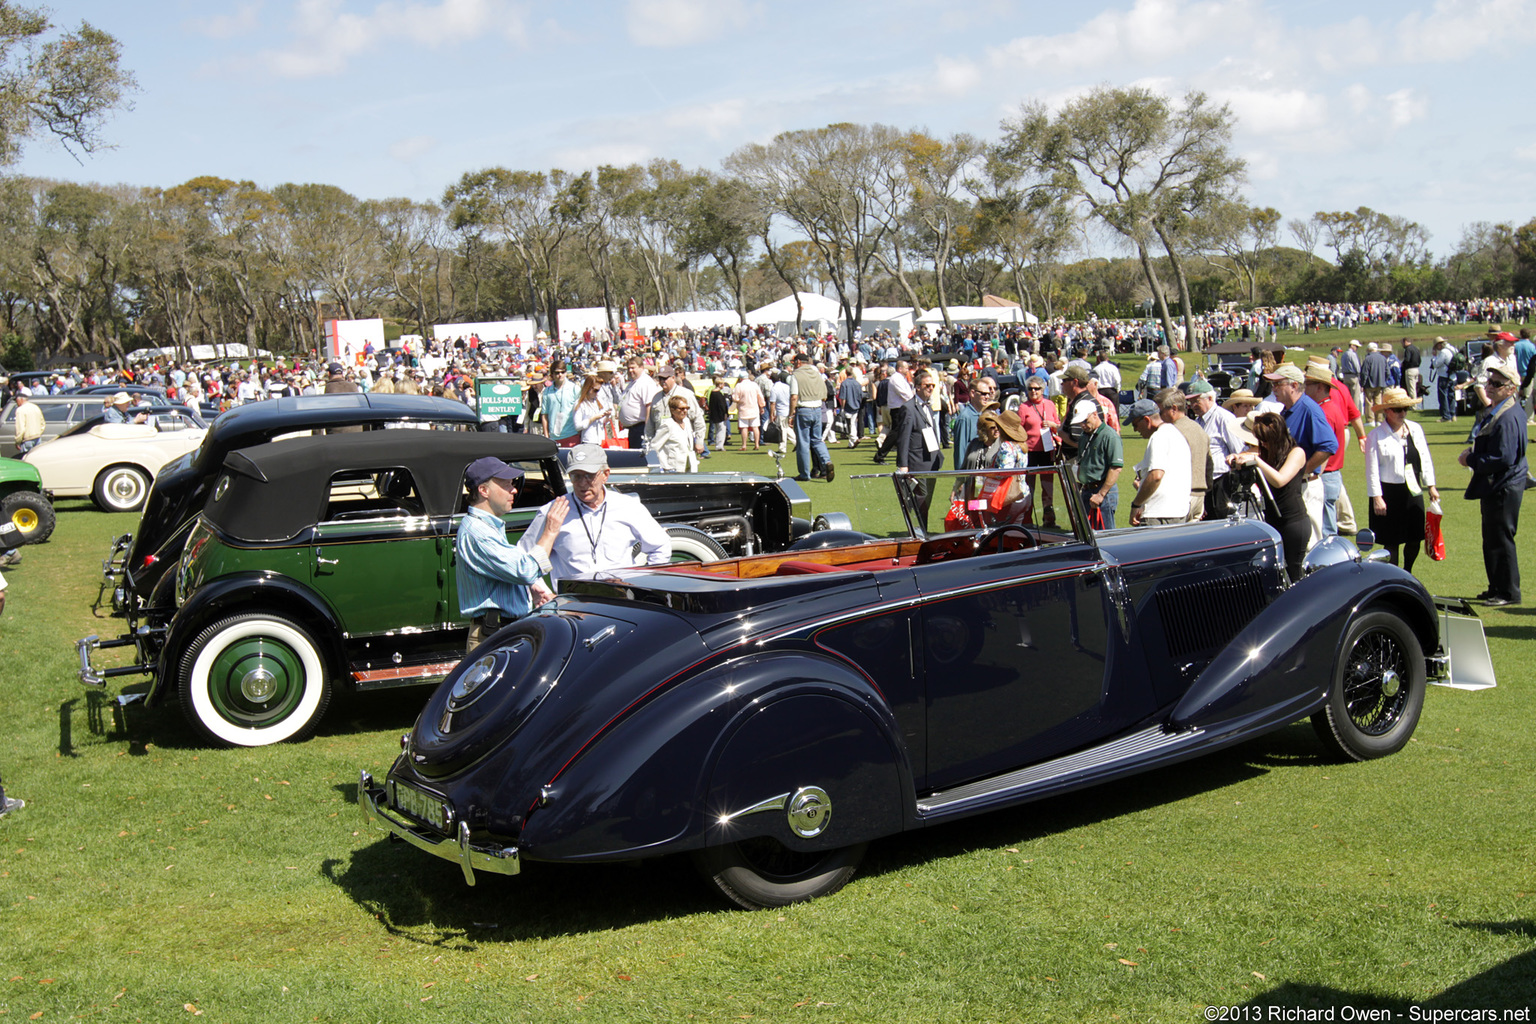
[{"x": 1279, "y": 461}]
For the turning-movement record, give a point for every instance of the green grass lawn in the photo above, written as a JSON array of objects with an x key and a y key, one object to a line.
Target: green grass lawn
[{"x": 151, "y": 879}]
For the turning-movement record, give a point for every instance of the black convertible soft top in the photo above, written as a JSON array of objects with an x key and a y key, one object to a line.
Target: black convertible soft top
[{"x": 275, "y": 490}]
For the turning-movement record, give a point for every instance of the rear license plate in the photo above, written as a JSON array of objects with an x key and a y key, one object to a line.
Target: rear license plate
[{"x": 424, "y": 807}]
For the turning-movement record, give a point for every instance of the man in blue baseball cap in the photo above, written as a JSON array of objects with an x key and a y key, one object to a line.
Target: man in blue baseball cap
[{"x": 495, "y": 576}]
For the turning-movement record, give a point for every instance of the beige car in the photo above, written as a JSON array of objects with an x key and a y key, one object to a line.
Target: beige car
[{"x": 112, "y": 463}]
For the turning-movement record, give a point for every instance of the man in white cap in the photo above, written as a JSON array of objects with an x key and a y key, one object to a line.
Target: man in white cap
[
  {"x": 1309, "y": 428},
  {"x": 1349, "y": 371},
  {"x": 601, "y": 530},
  {"x": 1373, "y": 379},
  {"x": 499, "y": 581},
  {"x": 30, "y": 423}
]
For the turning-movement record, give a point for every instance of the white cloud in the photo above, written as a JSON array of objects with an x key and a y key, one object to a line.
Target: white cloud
[
  {"x": 1275, "y": 110},
  {"x": 325, "y": 37},
  {"x": 1405, "y": 106},
  {"x": 1151, "y": 31},
  {"x": 413, "y": 148},
  {"x": 685, "y": 22},
  {"x": 1457, "y": 29},
  {"x": 955, "y": 76},
  {"x": 617, "y": 154},
  {"x": 712, "y": 119},
  {"x": 242, "y": 21}
]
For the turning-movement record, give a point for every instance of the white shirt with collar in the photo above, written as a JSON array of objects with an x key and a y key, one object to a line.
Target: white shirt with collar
[{"x": 602, "y": 539}]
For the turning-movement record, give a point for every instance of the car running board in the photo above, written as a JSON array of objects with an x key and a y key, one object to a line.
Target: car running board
[{"x": 1093, "y": 765}]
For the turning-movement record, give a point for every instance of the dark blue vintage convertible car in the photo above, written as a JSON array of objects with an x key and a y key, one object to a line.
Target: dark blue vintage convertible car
[{"x": 771, "y": 715}]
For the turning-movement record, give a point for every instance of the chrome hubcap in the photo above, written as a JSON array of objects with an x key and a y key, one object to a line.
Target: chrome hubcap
[
  {"x": 810, "y": 810},
  {"x": 258, "y": 685}
]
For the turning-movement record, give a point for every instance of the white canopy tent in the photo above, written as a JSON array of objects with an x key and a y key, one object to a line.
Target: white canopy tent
[
  {"x": 980, "y": 315},
  {"x": 497, "y": 330},
  {"x": 571, "y": 322},
  {"x": 896, "y": 319},
  {"x": 813, "y": 308},
  {"x": 199, "y": 353}
]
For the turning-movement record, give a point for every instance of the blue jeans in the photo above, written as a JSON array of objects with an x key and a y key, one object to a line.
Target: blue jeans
[
  {"x": 1445, "y": 391},
  {"x": 1333, "y": 486},
  {"x": 808, "y": 441},
  {"x": 1111, "y": 502}
]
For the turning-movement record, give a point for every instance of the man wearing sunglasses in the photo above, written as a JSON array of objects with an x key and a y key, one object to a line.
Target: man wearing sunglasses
[{"x": 963, "y": 430}]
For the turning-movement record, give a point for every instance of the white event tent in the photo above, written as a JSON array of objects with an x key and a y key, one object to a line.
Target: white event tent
[
  {"x": 896, "y": 319},
  {"x": 980, "y": 315}
]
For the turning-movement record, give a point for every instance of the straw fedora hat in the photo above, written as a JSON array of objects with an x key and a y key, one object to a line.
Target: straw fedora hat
[
  {"x": 1242, "y": 397},
  {"x": 1394, "y": 398}
]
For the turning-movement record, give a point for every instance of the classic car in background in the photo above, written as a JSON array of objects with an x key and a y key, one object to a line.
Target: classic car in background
[
  {"x": 112, "y": 463},
  {"x": 136, "y": 567},
  {"x": 328, "y": 561},
  {"x": 771, "y": 715},
  {"x": 24, "y": 506}
]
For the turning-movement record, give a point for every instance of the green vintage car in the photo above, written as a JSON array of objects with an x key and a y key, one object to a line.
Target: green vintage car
[
  {"x": 327, "y": 562},
  {"x": 24, "y": 505}
]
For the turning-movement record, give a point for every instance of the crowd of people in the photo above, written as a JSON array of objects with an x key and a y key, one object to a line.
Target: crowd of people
[{"x": 932, "y": 399}]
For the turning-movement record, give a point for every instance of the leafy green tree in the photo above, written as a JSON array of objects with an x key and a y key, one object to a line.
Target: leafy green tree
[
  {"x": 1135, "y": 163},
  {"x": 64, "y": 86}
]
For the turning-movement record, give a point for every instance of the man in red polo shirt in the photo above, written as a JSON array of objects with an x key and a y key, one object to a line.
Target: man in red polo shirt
[{"x": 1341, "y": 412}]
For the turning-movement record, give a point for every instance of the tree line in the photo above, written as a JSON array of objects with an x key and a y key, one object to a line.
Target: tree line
[{"x": 870, "y": 214}]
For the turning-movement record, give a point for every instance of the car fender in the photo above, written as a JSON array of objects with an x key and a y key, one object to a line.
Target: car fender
[
  {"x": 248, "y": 592},
  {"x": 1280, "y": 667},
  {"x": 678, "y": 773}
]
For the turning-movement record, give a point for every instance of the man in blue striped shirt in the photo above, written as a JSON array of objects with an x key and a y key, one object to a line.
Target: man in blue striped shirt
[{"x": 495, "y": 575}]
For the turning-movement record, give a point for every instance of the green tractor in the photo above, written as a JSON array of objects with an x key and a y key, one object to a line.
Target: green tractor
[{"x": 24, "y": 506}]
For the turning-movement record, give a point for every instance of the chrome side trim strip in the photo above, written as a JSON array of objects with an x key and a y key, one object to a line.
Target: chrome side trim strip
[{"x": 1018, "y": 783}]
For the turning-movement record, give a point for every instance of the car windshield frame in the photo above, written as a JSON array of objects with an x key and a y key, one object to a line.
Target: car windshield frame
[{"x": 870, "y": 515}]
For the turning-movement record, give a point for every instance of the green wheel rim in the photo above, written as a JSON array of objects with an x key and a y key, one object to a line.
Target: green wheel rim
[{"x": 256, "y": 682}]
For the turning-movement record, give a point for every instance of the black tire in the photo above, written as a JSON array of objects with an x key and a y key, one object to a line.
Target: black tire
[
  {"x": 231, "y": 704},
  {"x": 30, "y": 513},
  {"x": 121, "y": 489},
  {"x": 690, "y": 544},
  {"x": 762, "y": 872},
  {"x": 1377, "y": 692}
]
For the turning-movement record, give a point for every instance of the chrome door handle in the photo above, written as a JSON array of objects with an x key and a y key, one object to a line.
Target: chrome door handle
[{"x": 327, "y": 561}]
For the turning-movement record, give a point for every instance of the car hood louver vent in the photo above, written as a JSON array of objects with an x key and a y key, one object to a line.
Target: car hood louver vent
[{"x": 1200, "y": 619}]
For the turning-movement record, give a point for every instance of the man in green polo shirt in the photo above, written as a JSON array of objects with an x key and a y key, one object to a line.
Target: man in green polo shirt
[{"x": 1099, "y": 463}]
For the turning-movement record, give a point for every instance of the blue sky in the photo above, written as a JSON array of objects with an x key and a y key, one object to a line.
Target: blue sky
[{"x": 1413, "y": 108}]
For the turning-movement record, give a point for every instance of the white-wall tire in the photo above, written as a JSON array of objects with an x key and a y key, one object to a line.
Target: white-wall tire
[{"x": 228, "y": 669}]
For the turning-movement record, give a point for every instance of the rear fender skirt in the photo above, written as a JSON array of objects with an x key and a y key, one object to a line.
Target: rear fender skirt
[
  {"x": 661, "y": 780},
  {"x": 1284, "y": 659},
  {"x": 247, "y": 592}
]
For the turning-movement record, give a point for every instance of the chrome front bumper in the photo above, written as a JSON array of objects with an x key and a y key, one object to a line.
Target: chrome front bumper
[
  {"x": 92, "y": 676},
  {"x": 493, "y": 857}
]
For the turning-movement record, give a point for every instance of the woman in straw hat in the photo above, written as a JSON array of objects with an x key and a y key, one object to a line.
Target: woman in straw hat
[
  {"x": 1240, "y": 403},
  {"x": 1398, "y": 470}
]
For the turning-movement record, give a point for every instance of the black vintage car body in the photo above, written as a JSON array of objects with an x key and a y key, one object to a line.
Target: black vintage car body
[
  {"x": 139, "y": 561},
  {"x": 772, "y": 715}
]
